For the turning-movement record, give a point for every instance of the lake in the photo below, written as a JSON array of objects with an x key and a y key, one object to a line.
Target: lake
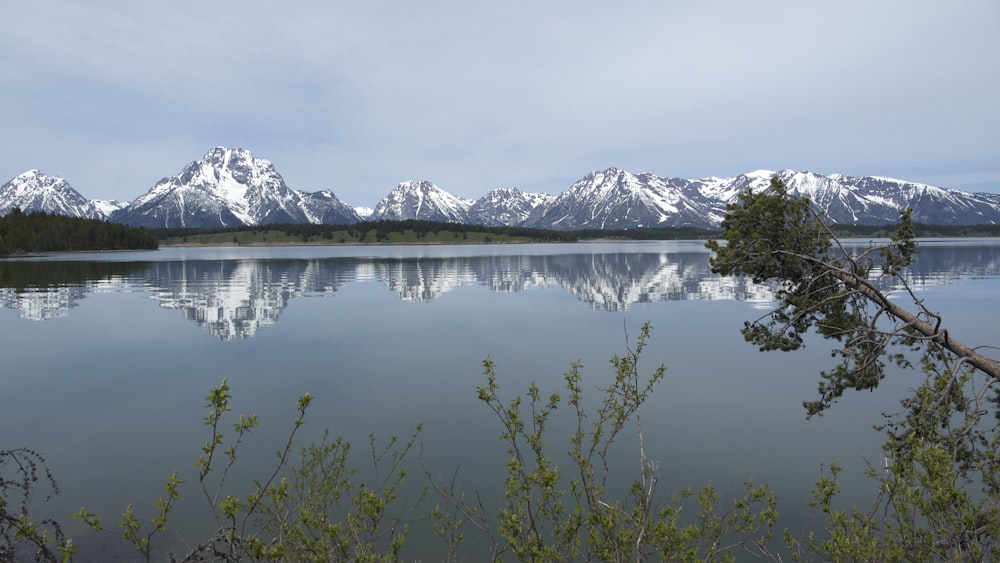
[{"x": 108, "y": 358}]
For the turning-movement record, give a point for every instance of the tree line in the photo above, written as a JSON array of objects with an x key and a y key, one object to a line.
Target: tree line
[
  {"x": 921, "y": 230},
  {"x": 649, "y": 233},
  {"x": 373, "y": 230},
  {"x": 49, "y": 232},
  {"x": 379, "y": 230}
]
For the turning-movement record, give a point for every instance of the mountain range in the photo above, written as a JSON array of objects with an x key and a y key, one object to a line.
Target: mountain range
[{"x": 231, "y": 187}]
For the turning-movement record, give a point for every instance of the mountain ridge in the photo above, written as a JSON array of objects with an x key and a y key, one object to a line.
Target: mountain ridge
[
  {"x": 231, "y": 187},
  {"x": 34, "y": 191},
  {"x": 226, "y": 188}
]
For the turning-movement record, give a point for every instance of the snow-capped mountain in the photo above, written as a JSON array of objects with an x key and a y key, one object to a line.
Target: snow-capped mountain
[
  {"x": 33, "y": 191},
  {"x": 930, "y": 205},
  {"x": 422, "y": 200},
  {"x": 616, "y": 199},
  {"x": 324, "y": 207},
  {"x": 871, "y": 200},
  {"x": 508, "y": 206},
  {"x": 228, "y": 188},
  {"x": 103, "y": 209}
]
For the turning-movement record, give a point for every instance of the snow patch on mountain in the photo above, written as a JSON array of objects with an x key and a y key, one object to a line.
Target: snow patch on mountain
[
  {"x": 617, "y": 199},
  {"x": 33, "y": 191},
  {"x": 508, "y": 206},
  {"x": 323, "y": 207},
  {"x": 422, "y": 200},
  {"x": 231, "y": 187}
]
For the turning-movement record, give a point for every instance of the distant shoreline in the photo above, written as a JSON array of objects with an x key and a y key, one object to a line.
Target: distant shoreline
[{"x": 356, "y": 243}]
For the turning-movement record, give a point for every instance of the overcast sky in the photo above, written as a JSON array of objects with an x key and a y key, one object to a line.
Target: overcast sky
[{"x": 475, "y": 94}]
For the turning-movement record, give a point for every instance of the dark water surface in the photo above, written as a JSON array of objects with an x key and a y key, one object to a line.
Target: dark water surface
[{"x": 107, "y": 359}]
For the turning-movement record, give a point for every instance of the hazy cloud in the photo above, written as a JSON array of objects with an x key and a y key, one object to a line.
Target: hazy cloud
[{"x": 357, "y": 97}]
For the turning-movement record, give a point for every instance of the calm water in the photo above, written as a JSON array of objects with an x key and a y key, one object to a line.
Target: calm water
[{"x": 107, "y": 358}]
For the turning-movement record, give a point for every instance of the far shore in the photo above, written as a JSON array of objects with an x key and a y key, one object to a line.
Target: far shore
[{"x": 355, "y": 243}]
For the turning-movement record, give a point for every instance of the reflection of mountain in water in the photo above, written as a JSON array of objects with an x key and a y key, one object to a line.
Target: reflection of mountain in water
[
  {"x": 38, "y": 304},
  {"x": 235, "y": 298},
  {"x": 423, "y": 279},
  {"x": 610, "y": 281}
]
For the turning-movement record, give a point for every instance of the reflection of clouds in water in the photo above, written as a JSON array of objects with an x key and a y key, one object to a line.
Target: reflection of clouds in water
[{"x": 233, "y": 299}]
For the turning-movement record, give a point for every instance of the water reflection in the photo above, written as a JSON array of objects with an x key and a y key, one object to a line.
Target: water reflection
[
  {"x": 234, "y": 298},
  {"x": 45, "y": 290}
]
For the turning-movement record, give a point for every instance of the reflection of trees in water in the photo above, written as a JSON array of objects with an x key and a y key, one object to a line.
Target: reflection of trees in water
[
  {"x": 22, "y": 275},
  {"x": 234, "y": 298},
  {"x": 49, "y": 289}
]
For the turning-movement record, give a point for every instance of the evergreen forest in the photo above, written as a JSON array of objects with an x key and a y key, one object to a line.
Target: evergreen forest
[{"x": 22, "y": 233}]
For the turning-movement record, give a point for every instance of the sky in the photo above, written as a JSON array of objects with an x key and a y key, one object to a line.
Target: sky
[{"x": 479, "y": 94}]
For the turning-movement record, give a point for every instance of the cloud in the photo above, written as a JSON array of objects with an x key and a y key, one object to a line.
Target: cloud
[{"x": 474, "y": 95}]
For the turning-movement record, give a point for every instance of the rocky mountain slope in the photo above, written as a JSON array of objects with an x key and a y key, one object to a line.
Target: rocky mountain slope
[
  {"x": 508, "y": 206},
  {"x": 616, "y": 199},
  {"x": 422, "y": 200},
  {"x": 33, "y": 191},
  {"x": 875, "y": 200}
]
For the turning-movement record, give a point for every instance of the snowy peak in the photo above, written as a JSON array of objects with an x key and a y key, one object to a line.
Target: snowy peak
[
  {"x": 324, "y": 207},
  {"x": 508, "y": 206},
  {"x": 421, "y": 200},
  {"x": 617, "y": 199},
  {"x": 879, "y": 200},
  {"x": 231, "y": 187},
  {"x": 244, "y": 181},
  {"x": 33, "y": 191}
]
